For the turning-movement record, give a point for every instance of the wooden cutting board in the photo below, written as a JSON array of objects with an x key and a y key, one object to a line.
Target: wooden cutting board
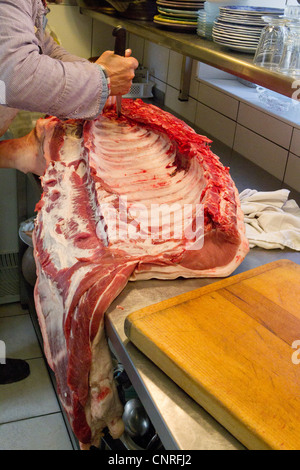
[{"x": 229, "y": 346}]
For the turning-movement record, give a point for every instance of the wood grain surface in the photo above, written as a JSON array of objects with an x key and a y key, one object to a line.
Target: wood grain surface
[{"x": 229, "y": 346}]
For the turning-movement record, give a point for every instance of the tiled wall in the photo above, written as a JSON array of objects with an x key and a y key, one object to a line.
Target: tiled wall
[
  {"x": 268, "y": 140},
  {"x": 72, "y": 29},
  {"x": 262, "y": 138}
]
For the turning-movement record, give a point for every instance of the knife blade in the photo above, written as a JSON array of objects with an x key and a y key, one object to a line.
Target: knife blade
[{"x": 119, "y": 32}]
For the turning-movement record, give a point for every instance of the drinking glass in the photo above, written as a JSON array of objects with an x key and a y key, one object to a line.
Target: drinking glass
[
  {"x": 271, "y": 44},
  {"x": 292, "y": 11},
  {"x": 290, "y": 61}
]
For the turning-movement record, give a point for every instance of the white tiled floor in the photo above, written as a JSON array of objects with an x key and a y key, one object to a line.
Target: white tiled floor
[{"x": 30, "y": 415}]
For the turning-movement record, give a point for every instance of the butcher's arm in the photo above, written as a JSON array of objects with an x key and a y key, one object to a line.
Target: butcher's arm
[
  {"x": 24, "y": 154},
  {"x": 54, "y": 50},
  {"x": 38, "y": 82}
]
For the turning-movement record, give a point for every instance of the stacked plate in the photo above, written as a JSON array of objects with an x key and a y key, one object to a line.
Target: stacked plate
[
  {"x": 178, "y": 14},
  {"x": 239, "y": 27}
]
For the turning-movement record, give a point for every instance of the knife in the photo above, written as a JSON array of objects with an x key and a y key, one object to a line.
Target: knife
[{"x": 120, "y": 45}]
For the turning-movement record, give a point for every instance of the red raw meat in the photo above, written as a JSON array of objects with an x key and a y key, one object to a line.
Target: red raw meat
[{"x": 93, "y": 234}]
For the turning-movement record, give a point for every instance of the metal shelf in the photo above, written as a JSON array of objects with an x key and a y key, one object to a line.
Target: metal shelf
[{"x": 191, "y": 45}]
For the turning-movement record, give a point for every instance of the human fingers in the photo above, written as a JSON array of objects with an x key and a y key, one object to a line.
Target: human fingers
[{"x": 110, "y": 102}]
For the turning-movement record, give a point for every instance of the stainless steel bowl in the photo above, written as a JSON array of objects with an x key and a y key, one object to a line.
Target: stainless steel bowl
[
  {"x": 135, "y": 418},
  {"x": 139, "y": 431}
]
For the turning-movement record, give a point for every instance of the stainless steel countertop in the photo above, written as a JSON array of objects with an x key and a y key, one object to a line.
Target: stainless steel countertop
[{"x": 180, "y": 422}]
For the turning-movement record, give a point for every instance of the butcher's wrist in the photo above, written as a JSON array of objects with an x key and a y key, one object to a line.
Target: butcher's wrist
[{"x": 106, "y": 77}]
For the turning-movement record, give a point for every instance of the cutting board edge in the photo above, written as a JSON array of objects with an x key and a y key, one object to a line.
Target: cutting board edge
[
  {"x": 212, "y": 406},
  {"x": 127, "y": 328},
  {"x": 190, "y": 295}
]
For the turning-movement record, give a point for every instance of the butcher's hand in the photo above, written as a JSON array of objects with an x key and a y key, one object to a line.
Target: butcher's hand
[{"x": 121, "y": 71}]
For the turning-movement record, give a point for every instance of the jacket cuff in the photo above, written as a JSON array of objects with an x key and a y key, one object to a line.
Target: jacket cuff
[{"x": 105, "y": 86}]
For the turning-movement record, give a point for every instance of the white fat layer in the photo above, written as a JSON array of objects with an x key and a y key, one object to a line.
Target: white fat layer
[{"x": 139, "y": 170}]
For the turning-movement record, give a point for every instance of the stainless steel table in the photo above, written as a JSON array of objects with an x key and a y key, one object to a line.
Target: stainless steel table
[{"x": 180, "y": 422}]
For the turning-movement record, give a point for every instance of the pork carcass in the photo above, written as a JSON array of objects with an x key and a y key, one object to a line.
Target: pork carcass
[{"x": 93, "y": 233}]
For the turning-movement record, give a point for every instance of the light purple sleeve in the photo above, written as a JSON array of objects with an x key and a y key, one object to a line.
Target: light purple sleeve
[{"x": 38, "y": 82}]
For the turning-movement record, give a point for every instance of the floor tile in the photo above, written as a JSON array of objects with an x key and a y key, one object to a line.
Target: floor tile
[
  {"x": 42, "y": 433},
  {"x": 9, "y": 310},
  {"x": 28, "y": 398},
  {"x": 19, "y": 336}
]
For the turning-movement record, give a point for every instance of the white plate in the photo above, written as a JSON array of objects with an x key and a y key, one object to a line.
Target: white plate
[
  {"x": 251, "y": 11},
  {"x": 237, "y": 33},
  {"x": 234, "y": 36},
  {"x": 244, "y": 19},
  {"x": 248, "y": 50},
  {"x": 252, "y": 29},
  {"x": 252, "y": 19},
  {"x": 235, "y": 43},
  {"x": 235, "y": 39}
]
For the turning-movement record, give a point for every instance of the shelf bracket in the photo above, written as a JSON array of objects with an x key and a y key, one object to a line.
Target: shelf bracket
[{"x": 185, "y": 79}]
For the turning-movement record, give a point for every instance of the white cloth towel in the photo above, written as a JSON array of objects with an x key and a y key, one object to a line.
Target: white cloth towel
[{"x": 272, "y": 221}]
